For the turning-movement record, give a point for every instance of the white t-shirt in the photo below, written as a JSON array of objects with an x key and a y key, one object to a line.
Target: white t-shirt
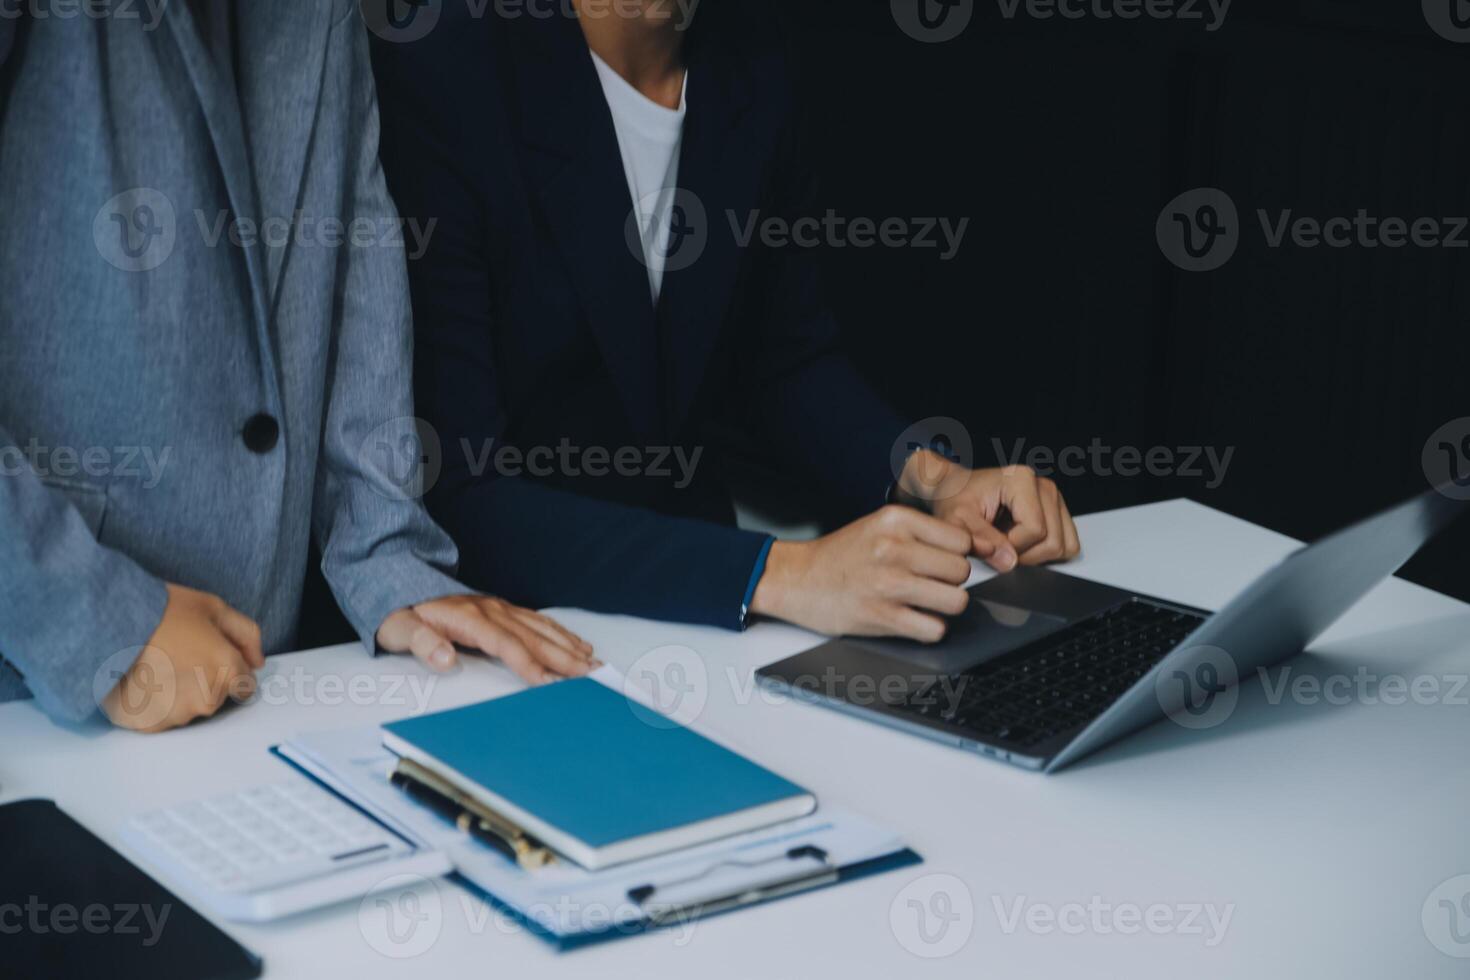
[{"x": 649, "y": 137}]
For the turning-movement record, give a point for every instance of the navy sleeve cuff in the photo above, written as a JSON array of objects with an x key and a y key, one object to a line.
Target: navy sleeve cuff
[{"x": 755, "y": 578}]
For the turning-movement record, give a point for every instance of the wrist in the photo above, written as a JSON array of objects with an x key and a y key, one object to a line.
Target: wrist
[{"x": 784, "y": 568}]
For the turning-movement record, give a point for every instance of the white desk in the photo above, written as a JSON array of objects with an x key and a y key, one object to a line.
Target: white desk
[{"x": 1325, "y": 827}]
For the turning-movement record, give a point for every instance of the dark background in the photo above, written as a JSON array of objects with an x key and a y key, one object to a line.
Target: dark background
[{"x": 1060, "y": 320}]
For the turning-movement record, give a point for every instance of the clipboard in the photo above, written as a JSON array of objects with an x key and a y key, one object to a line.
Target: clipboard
[
  {"x": 800, "y": 869},
  {"x": 672, "y": 917},
  {"x": 819, "y": 851}
]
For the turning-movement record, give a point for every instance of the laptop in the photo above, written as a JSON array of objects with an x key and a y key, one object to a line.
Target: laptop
[{"x": 1044, "y": 668}]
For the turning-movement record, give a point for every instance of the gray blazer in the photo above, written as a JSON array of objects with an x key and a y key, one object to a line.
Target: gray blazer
[{"x": 182, "y": 400}]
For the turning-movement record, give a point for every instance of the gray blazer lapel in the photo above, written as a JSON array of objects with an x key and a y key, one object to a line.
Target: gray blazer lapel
[
  {"x": 283, "y": 49},
  {"x": 223, "y": 118}
]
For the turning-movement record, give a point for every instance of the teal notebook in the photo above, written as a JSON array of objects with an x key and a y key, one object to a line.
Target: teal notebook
[{"x": 597, "y": 777}]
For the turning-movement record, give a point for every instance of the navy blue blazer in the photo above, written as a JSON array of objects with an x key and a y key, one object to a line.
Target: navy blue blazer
[{"x": 535, "y": 326}]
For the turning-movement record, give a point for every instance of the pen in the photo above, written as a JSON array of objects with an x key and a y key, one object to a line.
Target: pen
[
  {"x": 447, "y": 809},
  {"x": 441, "y": 796}
]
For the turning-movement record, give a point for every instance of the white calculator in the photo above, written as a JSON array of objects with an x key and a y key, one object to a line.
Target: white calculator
[{"x": 275, "y": 850}]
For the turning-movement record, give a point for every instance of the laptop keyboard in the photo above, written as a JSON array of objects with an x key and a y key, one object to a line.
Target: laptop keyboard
[{"x": 1059, "y": 682}]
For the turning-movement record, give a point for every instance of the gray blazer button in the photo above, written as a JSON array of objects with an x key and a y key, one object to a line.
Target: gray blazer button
[{"x": 261, "y": 433}]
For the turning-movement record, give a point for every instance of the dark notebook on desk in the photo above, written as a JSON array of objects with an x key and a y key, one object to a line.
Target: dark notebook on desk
[{"x": 85, "y": 911}]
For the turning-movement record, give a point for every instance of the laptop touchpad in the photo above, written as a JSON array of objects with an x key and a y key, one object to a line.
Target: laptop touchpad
[{"x": 986, "y": 629}]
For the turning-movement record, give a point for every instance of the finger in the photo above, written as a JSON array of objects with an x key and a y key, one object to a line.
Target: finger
[
  {"x": 469, "y": 626},
  {"x": 1071, "y": 540},
  {"x": 406, "y": 631},
  {"x": 904, "y": 621},
  {"x": 398, "y": 632},
  {"x": 934, "y": 563},
  {"x": 1021, "y": 493},
  {"x": 244, "y": 632},
  {"x": 933, "y": 531},
  {"x": 1048, "y": 545},
  {"x": 926, "y": 593},
  {"x": 987, "y": 542},
  {"x": 993, "y": 547},
  {"x": 213, "y": 682},
  {"x": 393, "y": 632},
  {"x": 576, "y": 640},
  {"x": 127, "y": 708},
  {"x": 241, "y": 685},
  {"x": 556, "y": 658},
  {"x": 1051, "y": 547},
  {"x": 431, "y": 646},
  {"x": 556, "y": 633}
]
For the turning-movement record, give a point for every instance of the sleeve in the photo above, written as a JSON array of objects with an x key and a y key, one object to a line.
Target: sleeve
[
  {"x": 380, "y": 549},
  {"x": 73, "y": 613},
  {"x": 527, "y": 542}
]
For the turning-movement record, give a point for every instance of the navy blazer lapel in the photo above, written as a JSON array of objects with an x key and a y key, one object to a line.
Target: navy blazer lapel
[
  {"x": 8, "y": 28},
  {"x": 280, "y": 87},
  {"x": 717, "y": 169},
  {"x": 575, "y": 168}
]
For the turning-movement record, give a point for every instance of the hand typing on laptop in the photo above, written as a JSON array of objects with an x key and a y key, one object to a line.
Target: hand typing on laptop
[
  {"x": 899, "y": 570},
  {"x": 1013, "y": 514}
]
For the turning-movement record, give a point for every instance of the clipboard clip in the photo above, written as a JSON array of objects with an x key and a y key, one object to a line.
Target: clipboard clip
[{"x": 783, "y": 881}]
